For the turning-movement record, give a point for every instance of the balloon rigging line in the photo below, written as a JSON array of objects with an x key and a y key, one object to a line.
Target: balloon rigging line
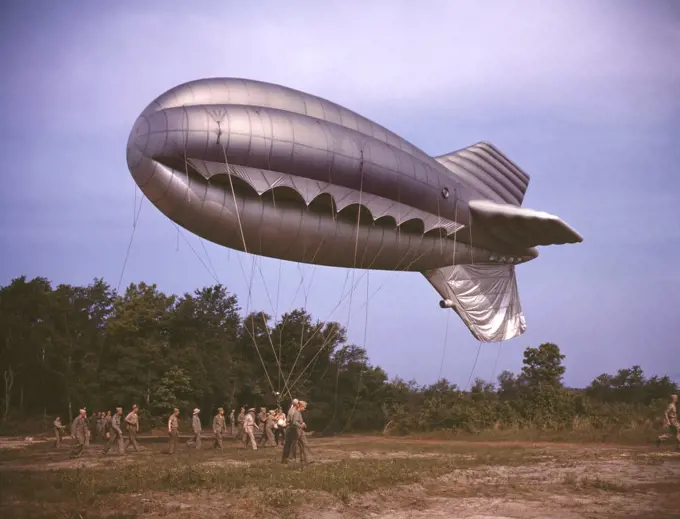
[
  {"x": 243, "y": 239},
  {"x": 349, "y": 309},
  {"x": 474, "y": 365},
  {"x": 214, "y": 275},
  {"x": 287, "y": 386},
  {"x": 132, "y": 237},
  {"x": 356, "y": 397},
  {"x": 208, "y": 257}
]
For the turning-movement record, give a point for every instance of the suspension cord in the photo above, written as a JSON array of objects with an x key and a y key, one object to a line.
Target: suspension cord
[
  {"x": 245, "y": 249},
  {"x": 474, "y": 366},
  {"x": 132, "y": 237}
]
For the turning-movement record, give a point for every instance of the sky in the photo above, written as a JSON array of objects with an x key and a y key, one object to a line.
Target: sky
[{"x": 583, "y": 95}]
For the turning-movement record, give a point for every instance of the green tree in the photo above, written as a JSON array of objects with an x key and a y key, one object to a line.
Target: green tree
[
  {"x": 543, "y": 366},
  {"x": 174, "y": 389}
]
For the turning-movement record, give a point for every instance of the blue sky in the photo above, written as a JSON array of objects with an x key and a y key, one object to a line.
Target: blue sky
[{"x": 583, "y": 95}]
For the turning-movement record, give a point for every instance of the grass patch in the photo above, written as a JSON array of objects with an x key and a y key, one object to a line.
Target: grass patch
[{"x": 340, "y": 478}]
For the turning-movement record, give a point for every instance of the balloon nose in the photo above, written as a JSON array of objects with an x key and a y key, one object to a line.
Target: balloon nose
[{"x": 138, "y": 141}]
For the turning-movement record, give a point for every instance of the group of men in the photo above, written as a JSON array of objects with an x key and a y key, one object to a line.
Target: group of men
[
  {"x": 104, "y": 426},
  {"x": 278, "y": 428}
]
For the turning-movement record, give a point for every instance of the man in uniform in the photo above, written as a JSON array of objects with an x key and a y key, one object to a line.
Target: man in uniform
[
  {"x": 302, "y": 436},
  {"x": 115, "y": 433},
  {"x": 232, "y": 422},
  {"x": 671, "y": 424},
  {"x": 268, "y": 434},
  {"x": 289, "y": 417},
  {"x": 88, "y": 432},
  {"x": 59, "y": 431},
  {"x": 240, "y": 432},
  {"x": 173, "y": 430},
  {"x": 219, "y": 427},
  {"x": 196, "y": 428},
  {"x": 249, "y": 427},
  {"x": 101, "y": 426},
  {"x": 79, "y": 432},
  {"x": 107, "y": 425},
  {"x": 261, "y": 417},
  {"x": 132, "y": 424}
]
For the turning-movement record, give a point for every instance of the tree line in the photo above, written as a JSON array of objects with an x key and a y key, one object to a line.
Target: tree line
[{"x": 65, "y": 347}]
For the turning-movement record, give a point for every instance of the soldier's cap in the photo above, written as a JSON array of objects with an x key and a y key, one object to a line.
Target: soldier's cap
[
  {"x": 220, "y": 409},
  {"x": 83, "y": 411},
  {"x": 295, "y": 401},
  {"x": 302, "y": 403},
  {"x": 197, "y": 410}
]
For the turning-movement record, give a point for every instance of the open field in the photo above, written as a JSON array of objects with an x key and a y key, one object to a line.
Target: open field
[{"x": 353, "y": 477}]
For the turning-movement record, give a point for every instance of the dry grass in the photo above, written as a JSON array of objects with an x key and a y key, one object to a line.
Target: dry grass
[{"x": 353, "y": 477}]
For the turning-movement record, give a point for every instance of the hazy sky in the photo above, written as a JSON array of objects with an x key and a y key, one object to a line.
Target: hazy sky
[{"x": 583, "y": 95}]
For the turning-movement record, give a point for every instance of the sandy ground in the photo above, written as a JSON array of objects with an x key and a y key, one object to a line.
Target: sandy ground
[{"x": 558, "y": 480}]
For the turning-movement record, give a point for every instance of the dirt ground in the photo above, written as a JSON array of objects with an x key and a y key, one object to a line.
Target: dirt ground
[{"x": 352, "y": 477}]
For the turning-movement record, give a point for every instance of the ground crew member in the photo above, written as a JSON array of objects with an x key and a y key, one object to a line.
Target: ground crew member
[
  {"x": 115, "y": 433},
  {"x": 292, "y": 434},
  {"x": 79, "y": 432},
  {"x": 59, "y": 431},
  {"x": 101, "y": 426},
  {"x": 219, "y": 427},
  {"x": 289, "y": 417},
  {"x": 173, "y": 430},
  {"x": 302, "y": 436},
  {"x": 196, "y": 427},
  {"x": 268, "y": 434},
  {"x": 240, "y": 420},
  {"x": 261, "y": 417},
  {"x": 88, "y": 433},
  {"x": 132, "y": 424},
  {"x": 671, "y": 424},
  {"x": 249, "y": 427},
  {"x": 107, "y": 425}
]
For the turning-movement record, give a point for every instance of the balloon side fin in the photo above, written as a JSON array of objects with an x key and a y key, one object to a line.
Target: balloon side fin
[
  {"x": 519, "y": 226},
  {"x": 485, "y": 297},
  {"x": 486, "y": 169}
]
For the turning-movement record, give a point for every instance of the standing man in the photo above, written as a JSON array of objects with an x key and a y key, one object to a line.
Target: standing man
[
  {"x": 115, "y": 433},
  {"x": 219, "y": 426},
  {"x": 261, "y": 416},
  {"x": 292, "y": 432},
  {"x": 132, "y": 424},
  {"x": 239, "y": 422},
  {"x": 79, "y": 432},
  {"x": 671, "y": 424},
  {"x": 196, "y": 427},
  {"x": 88, "y": 432},
  {"x": 59, "y": 430},
  {"x": 173, "y": 430},
  {"x": 268, "y": 434},
  {"x": 249, "y": 427},
  {"x": 232, "y": 422},
  {"x": 299, "y": 422},
  {"x": 289, "y": 418}
]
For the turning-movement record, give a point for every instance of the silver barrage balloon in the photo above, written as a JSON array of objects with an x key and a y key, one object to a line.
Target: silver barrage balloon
[{"x": 273, "y": 171}]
